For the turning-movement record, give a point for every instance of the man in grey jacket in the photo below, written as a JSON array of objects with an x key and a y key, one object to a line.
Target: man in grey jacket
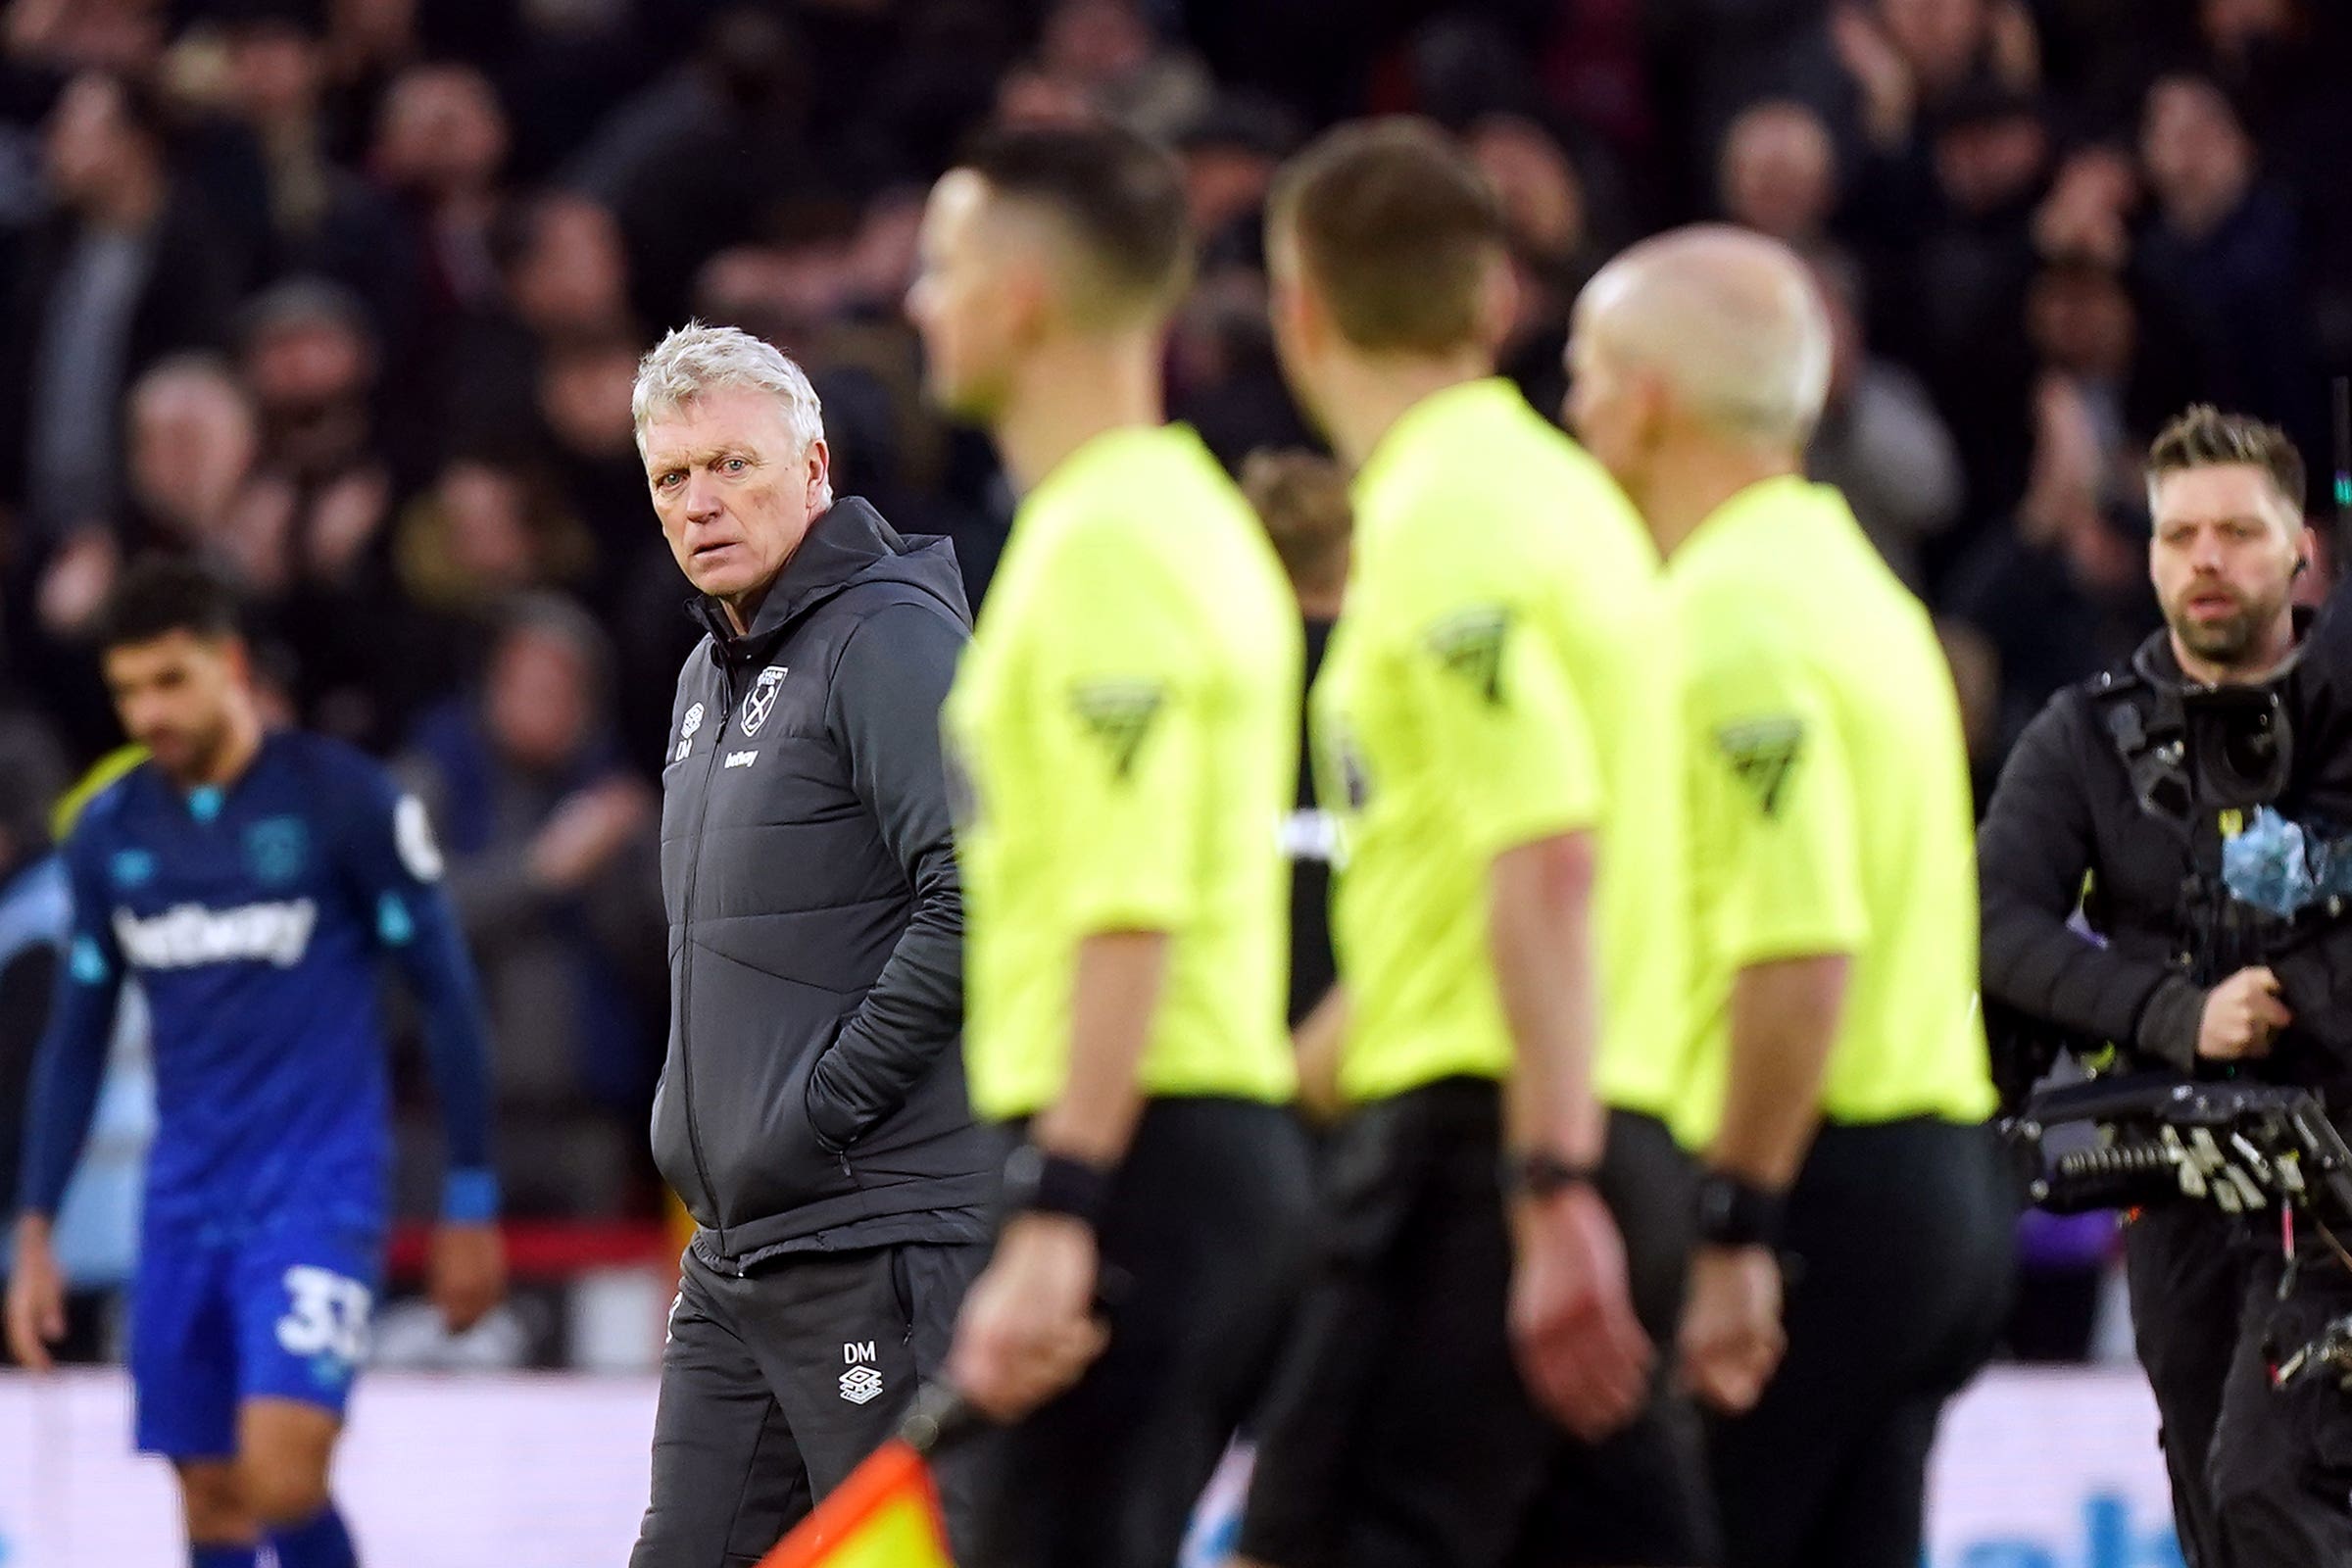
[{"x": 811, "y": 1113}]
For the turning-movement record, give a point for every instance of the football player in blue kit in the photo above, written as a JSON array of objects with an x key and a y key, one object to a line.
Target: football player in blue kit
[{"x": 249, "y": 881}]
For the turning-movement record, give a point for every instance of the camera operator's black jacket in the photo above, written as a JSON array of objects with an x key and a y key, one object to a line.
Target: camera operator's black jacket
[{"x": 2066, "y": 827}]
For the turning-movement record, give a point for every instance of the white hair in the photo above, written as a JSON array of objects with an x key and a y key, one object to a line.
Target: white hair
[{"x": 695, "y": 360}]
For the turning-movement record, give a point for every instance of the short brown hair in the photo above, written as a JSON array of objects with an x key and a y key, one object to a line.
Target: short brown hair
[
  {"x": 2205, "y": 437},
  {"x": 1303, "y": 500},
  {"x": 1397, "y": 228},
  {"x": 159, "y": 595},
  {"x": 1119, "y": 196}
]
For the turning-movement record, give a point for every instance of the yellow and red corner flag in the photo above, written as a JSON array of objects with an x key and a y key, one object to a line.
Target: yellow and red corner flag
[{"x": 885, "y": 1515}]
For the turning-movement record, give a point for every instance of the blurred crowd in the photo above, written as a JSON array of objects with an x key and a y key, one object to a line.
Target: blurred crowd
[{"x": 346, "y": 295}]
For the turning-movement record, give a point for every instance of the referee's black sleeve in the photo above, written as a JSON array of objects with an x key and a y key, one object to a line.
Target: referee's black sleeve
[{"x": 2038, "y": 841}]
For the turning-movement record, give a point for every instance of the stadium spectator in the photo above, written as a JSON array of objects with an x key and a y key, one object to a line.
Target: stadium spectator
[
  {"x": 550, "y": 845},
  {"x": 1106, "y": 56},
  {"x": 582, "y": 401},
  {"x": 564, "y": 276},
  {"x": 1230, "y": 149},
  {"x": 1779, "y": 173},
  {"x": 307, "y": 351},
  {"x": 566, "y": 269},
  {"x": 1880, "y": 439},
  {"x": 2062, "y": 590},
  {"x": 1555, "y": 245},
  {"x": 281, "y": 177},
  {"x": 1909, "y": 60},
  {"x": 74, "y": 35},
  {"x": 487, "y": 530},
  {"x": 2223, "y": 242},
  {"x": 190, "y": 481},
  {"x": 2119, "y": 340},
  {"x": 441, "y": 143},
  {"x": 1955, "y": 273},
  {"x": 691, "y": 164},
  {"x": 328, "y": 491},
  {"x": 193, "y": 445},
  {"x": 1224, "y": 380},
  {"x": 123, "y": 272}
]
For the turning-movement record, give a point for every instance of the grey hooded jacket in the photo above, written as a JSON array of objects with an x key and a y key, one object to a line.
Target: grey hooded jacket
[{"x": 812, "y": 1097}]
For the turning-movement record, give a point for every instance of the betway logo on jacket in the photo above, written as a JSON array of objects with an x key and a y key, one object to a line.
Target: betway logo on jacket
[{"x": 189, "y": 934}]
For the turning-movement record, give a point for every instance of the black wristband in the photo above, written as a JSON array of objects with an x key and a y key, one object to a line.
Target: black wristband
[
  {"x": 1540, "y": 1173},
  {"x": 1734, "y": 1212},
  {"x": 1037, "y": 1181}
]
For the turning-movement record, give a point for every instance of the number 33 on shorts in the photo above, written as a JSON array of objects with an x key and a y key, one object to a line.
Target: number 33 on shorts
[{"x": 327, "y": 1314}]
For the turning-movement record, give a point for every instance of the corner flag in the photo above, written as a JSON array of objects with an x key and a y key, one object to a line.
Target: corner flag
[{"x": 886, "y": 1514}]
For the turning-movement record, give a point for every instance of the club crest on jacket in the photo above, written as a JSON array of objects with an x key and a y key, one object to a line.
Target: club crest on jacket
[{"x": 761, "y": 698}]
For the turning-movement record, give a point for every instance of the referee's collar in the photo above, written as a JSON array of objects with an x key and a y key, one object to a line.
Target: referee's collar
[
  {"x": 1104, "y": 452},
  {"x": 1768, "y": 503},
  {"x": 1433, "y": 423}
]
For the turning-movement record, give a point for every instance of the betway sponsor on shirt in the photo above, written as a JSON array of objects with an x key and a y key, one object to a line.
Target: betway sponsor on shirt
[{"x": 190, "y": 934}]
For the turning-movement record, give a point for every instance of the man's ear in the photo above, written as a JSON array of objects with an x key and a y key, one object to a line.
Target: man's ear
[
  {"x": 1026, "y": 294},
  {"x": 1295, "y": 312},
  {"x": 1497, "y": 303},
  {"x": 237, "y": 653},
  {"x": 1652, "y": 399},
  {"x": 820, "y": 459}
]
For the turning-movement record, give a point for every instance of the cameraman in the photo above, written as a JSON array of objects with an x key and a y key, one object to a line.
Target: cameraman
[{"x": 2104, "y": 807}]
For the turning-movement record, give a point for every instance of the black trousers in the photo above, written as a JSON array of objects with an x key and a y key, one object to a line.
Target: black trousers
[
  {"x": 1201, "y": 1245},
  {"x": 2259, "y": 1475},
  {"x": 1399, "y": 1434},
  {"x": 1898, "y": 1284},
  {"x": 2182, "y": 1279},
  {"x": 776, "y": 1384}
]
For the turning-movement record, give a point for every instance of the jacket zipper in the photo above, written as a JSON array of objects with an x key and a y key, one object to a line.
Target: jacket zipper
[{"x": 694, "y": 868}]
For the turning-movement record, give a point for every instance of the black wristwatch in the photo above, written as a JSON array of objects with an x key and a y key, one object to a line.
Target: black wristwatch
[
  {"x": 1540, "y": 1173},
  {"x": 1037, "y": 1181},
  {"x": 1734, "y": 1212}
]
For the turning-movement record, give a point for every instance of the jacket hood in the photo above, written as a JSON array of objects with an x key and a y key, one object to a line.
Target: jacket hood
[{"x": 848, "y": 545}]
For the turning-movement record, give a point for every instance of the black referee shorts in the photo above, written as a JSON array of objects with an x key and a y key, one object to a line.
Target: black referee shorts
[
  {"x": 1203, "y": 1247},
  {"x": 1399, "y": 1434},
  {"x": 1902, "y": 1271}
]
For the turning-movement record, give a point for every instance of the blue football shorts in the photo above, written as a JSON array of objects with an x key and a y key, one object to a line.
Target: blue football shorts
[{"x": 278, "y": 1311}]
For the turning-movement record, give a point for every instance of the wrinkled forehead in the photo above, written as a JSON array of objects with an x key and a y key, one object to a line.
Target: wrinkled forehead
[{"x": 718, "y": 421}]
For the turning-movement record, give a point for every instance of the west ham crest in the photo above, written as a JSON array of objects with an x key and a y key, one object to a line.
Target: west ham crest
[
  {"x": 763, "y": 698},
  {"x": 276, "y": 848}
]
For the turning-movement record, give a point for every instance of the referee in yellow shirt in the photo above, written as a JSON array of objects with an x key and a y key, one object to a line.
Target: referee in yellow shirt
[
  {"x": 1474, "y": 1379},
  {"x": 1124, "y": 726},
  {"x": 1836, "y": 917}
]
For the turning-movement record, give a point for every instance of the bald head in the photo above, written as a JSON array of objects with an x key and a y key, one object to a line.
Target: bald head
[{"x": 1724, "y": 323}]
